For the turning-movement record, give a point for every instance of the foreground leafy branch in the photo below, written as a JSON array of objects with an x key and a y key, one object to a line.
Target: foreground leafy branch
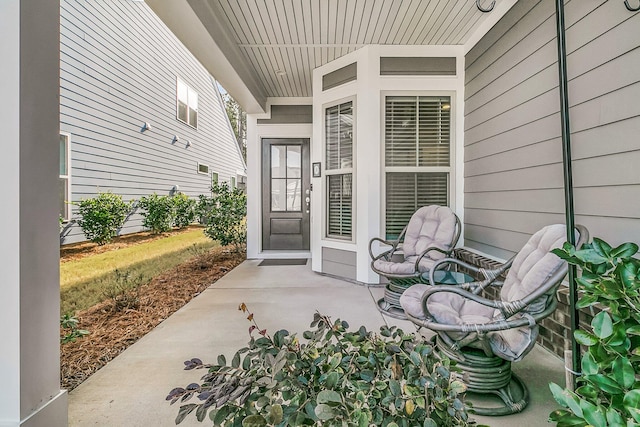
[
  {"x": 333, "y": 377},
  {"x": 609, "y": 388}
]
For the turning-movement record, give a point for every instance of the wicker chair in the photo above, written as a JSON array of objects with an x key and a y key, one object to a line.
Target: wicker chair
[
  {"x": 431, "y": 235},
  {"x": 484, "y": 335}
]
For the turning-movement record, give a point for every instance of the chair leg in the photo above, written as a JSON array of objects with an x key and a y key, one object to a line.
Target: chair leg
[
  {"x": 489, "y": 375},
  {"x": 390, "y": 304}
]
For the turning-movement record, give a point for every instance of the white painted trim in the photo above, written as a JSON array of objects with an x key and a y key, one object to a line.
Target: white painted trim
[
  {"x": 501, "y": 8},
  {"x": 53, "y": 412},
  {"x": 67, "y": 210},
  {"x": 255, "y": 134},
  {"x": 10, "y": 216},
  {"x": 453, "y": 157}
]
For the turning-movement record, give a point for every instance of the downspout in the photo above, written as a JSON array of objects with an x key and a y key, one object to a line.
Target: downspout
[{"x": 568, "y": 182}]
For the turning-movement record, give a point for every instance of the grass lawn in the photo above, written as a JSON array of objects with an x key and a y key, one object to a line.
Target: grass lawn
[{"x": 90, "y": 280}]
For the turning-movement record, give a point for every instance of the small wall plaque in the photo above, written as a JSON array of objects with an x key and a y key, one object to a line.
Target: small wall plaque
[{"x": 316, "y": 170}]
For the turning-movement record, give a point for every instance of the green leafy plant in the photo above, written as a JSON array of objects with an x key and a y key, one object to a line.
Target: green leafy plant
[
  {"x": 334, "y": 377},
  {"x": 69, "y": 329},
  {"x": 225, "y": 216},
  {"x": 608, "y": 392},
  {"x": 158, "y": 214},
  {"x": 102, "y": 216},
  {"x": 185, "y": 210},
  {"x": 124, "y": 291}
]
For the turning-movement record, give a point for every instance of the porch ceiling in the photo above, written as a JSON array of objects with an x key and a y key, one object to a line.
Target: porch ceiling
[{"x": 273, "y": 45}]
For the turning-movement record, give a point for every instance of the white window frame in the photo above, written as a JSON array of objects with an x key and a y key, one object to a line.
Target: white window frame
[
  {"x": 342, "y": 171},
  {"x": 189, "y": 89},
  {"x": 67, "y": 177},
  {"x": 202, "y": 172},
  {"x": 450, "y": 170}
]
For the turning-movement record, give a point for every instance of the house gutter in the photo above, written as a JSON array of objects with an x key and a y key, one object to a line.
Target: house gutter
[{"x": 568, "y": 182}]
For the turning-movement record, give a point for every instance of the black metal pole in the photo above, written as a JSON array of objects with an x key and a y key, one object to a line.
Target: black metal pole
[{"x": 568, "y": 178}]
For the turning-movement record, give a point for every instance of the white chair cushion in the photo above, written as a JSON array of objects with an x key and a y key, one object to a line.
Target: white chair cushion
[
  {"x": 452, "y": 309},
  {"x": 531, "y": 267},
  {"x": 407, "y": 267},
  {"x": 429, "y": 226}
]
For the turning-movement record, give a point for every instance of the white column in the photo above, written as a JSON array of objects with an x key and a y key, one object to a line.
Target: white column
[{"x": 29, "y": 247}]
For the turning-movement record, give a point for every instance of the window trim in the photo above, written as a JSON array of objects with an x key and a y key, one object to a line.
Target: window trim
[
  {"x": 67, "y": 216},
  {"x": 202, "y": 172},
  {"x": 451, "y": 169},
  {"x": 342, "y": 171},
  {"x": 197, "y": 109}
]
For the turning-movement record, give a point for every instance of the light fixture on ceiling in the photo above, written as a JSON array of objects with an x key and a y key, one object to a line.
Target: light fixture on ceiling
[{"x": 281, "y": 73}]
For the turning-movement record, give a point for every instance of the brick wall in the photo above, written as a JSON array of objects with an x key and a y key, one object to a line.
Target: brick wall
[{"x": 554, "y": 330}]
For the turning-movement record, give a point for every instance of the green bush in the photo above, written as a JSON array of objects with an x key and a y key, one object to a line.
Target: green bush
[
  {"x": 225, "y": 216},
  {"x": 102, "y": 216},
  {"x": 608, "y": 392},
  {"x": 333, "y": 377},
  {"x": 159, "y": 213},
  {"x": 69, "y": 329},
  {"x": 185, "y": 210}
]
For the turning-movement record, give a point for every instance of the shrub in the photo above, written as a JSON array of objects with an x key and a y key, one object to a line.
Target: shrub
[
  {"x": 609, "y": 387},
  {"x": 225, "y": 216},
  {"x": 159, "y": 213},
  {"x": 185, "y": 210},
  {"x": 124, "y": 290},
  {"x": 334, "y": 378},
  {"x": 69, "y": 329},
  {"x": 103, "y": 216}
]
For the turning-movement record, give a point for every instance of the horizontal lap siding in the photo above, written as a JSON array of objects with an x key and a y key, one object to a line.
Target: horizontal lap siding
[
  {"x": 119, "y": 65},
  {"x": 513, "y": 158}
]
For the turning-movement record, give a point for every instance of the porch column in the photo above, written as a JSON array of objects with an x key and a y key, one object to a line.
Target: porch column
[{"x": 29, "y": 243}]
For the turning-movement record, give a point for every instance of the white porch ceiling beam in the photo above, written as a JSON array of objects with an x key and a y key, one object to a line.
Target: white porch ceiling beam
[{"x": 211, "y": 45}]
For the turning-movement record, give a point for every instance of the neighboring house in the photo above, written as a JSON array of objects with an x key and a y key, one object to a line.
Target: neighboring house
[
  {"x": 398, "y": 104},
  {"x": 138, "y": 113}
]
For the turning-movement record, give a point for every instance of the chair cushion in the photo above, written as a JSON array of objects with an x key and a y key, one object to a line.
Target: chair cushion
[
  {"x": 452, "y": 309},
  {"x": 531, "y": 268},
  {"x": 430, "y": 226},
  {"x": 408, "y": 267},
  {"x": 533, "y": 265}
]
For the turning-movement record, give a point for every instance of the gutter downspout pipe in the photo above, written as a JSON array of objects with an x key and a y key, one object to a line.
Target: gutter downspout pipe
[{"x": 568, "y": 181}]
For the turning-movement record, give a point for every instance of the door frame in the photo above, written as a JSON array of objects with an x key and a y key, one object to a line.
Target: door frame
[{"x": 265, "y": 177}]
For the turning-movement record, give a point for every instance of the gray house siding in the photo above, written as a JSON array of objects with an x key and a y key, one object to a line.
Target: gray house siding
[
  {"x": 513, "y": 158},
  {"x": 119, "y": 65}
]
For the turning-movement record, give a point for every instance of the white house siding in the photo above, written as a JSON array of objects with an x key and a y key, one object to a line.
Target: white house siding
[
  {"x": 513, "y": 160},
  {"x": 119, "y": 65}
]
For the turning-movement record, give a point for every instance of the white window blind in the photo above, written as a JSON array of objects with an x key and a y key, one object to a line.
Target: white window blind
[
  {"x": 417, "y": 130},
  {"x": 339, "y": 169},
  {"x": 417, "y": 156}
]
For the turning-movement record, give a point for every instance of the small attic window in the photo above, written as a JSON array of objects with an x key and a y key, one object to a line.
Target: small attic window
[{"x": 202, "y": 168}]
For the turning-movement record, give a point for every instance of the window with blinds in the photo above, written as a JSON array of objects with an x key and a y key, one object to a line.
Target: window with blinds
[
  {"x": 417, "y": 156},
  {"x": 339, "y": 169}
]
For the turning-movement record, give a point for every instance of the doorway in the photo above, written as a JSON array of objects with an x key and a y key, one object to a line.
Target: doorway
[{"x": 286, "y": 194}]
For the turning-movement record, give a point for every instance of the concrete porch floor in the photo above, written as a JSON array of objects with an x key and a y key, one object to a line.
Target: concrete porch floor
[{"x": 131, "y": 390}]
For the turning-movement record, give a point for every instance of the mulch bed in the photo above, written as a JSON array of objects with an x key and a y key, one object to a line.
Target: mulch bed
[{"x": 112, "y": 331}]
